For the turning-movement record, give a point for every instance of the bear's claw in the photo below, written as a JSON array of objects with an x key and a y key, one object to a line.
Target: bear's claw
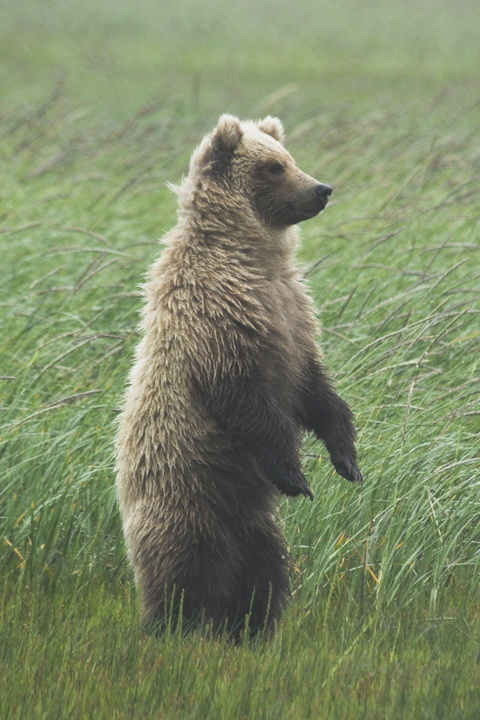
[
  {"x": 299, "y": 486},
  {"x": 349, "y": 471}
]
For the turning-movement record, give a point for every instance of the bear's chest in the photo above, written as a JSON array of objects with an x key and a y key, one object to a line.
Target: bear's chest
[{"x": 287, "y": 341}]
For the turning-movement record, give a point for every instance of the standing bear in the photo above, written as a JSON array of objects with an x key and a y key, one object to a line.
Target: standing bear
[{"x": 226, "y": 377}]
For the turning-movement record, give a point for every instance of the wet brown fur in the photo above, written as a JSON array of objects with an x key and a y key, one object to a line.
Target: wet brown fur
[{"x": 226, "y": 376}]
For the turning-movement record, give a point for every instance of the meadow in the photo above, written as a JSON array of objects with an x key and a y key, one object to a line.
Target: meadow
[{"x": 102, "y": 104}]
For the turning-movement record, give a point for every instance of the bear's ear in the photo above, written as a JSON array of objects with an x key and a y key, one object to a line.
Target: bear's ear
[
  {"x": 272, "y": 126},
  {"x": 227, "y": 134},
  {"x": 217, "y": 149}
]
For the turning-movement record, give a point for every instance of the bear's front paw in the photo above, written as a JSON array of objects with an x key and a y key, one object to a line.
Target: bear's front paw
[
  {"x": 295, "y": 485},
  {"x": 348, "y": 469}
]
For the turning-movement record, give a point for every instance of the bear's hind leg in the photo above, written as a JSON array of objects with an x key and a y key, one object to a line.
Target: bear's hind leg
[
  {"x": 263, "y": 586},
  {"x": 185, "y": 578}
]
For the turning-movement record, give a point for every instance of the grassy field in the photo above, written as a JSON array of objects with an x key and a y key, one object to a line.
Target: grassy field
[{"x": 101, "y": 104}]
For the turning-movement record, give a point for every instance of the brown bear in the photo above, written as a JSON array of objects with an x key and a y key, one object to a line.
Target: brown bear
[{"x": 226, "y": 376}]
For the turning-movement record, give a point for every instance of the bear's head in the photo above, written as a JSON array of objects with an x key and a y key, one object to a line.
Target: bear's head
[{"x": 248, "y": 159}]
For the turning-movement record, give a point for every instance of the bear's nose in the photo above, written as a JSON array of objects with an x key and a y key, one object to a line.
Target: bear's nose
[{"x": 323, "y": 192}]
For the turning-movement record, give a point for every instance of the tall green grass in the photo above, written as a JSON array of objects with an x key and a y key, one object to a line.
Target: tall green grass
[{"x": 384, "y": 619}]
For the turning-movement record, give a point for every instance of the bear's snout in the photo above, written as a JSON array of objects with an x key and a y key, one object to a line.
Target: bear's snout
[{"x": 312, "y": 200}]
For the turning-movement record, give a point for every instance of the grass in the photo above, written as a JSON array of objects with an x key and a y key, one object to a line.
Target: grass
[{"x": 99, "y": 108}]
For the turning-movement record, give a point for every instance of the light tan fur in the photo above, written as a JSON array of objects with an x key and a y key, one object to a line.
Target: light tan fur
[{"x": 225, "y": 301}]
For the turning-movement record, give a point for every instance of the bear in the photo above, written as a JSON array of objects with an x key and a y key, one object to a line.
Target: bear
[{"x": 227, "y": 375}]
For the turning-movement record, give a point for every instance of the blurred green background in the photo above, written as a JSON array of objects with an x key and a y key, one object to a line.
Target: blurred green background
[{"x": 210, "y": 55}]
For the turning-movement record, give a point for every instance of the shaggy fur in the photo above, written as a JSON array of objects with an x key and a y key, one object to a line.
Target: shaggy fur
[{"x": 226, "y": 376}]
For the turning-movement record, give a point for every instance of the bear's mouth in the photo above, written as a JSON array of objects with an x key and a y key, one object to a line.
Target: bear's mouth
[{"x": 299, "y": 212}]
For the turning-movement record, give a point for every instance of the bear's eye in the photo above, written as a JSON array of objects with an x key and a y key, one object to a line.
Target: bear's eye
[{"x": 275, "y": 168}]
